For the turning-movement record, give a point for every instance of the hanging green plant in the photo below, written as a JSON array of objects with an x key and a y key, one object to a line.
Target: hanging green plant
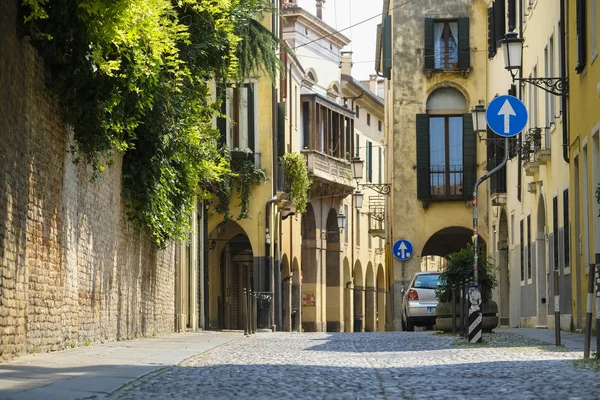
[
  {"x": 294, "y": 166},
  {"x": 244, "y": 176}
]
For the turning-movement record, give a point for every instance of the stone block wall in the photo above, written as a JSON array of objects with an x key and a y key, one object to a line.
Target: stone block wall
[{"x": 72, "y": 268}]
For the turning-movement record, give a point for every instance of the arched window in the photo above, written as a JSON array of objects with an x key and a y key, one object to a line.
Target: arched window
[{"x": 446, "y": 158}]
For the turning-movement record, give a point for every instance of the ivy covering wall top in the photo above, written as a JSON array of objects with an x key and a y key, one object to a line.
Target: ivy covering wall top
[{"x": 132, "y": 76}]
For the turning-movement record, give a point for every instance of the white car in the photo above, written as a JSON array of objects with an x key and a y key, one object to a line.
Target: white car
[{"x": 419, "y": 301}]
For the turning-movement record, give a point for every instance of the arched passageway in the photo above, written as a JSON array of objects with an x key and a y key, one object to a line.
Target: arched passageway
[
  {"x": 449, "y": 240},
  {"x": 333, "y": 276},
  {"x": 380, "y": 299},
  {"x": 309, "y": 270},
  {"x": 231, "y": 273},
  {"x": 502, "y": 261},
  {"x": 541, "y": 267},
  {"x": 348, "y": 299},
  {"x": 296, "y": 295},
  {"x": 286, "y": 293},
  {"x": 359, "y": 298},
  {"x": 370, "y": 300}
]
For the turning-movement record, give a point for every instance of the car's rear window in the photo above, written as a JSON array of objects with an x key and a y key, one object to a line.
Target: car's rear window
[{"x": 427, "y": 281}]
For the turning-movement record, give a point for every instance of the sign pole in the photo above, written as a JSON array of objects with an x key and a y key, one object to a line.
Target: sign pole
[{"x": 475, "y": 317}]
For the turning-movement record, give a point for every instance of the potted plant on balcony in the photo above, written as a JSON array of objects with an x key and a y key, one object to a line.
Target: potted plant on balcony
[
  {"x": 459, "y": 269},
  {"x": 294, "y": 168}
]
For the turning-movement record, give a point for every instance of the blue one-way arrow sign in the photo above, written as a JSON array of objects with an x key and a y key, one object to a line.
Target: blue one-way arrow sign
[
  {"x": 402, "y": 249},
  {"x": 506, "y": 115}
]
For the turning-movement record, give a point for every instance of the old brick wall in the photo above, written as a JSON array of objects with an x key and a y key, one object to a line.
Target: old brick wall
[{"x": 72, "y": 269}]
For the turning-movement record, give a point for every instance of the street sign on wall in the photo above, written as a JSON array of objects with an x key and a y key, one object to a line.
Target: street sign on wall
[
  {"x": 506, "y": 115},
  {"x": 403, "y": 249}
]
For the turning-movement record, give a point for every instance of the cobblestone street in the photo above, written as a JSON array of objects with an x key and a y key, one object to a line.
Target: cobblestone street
[{"x": 373, "y": 365}]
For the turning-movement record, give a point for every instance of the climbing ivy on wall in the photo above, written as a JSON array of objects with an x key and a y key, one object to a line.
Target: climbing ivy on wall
[{"x": 133, "y": 77}]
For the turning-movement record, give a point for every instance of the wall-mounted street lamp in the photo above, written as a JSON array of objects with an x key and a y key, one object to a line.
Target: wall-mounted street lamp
[
  {"x": 357, "y": 197},
  {"x": 479, "y": 122},
  {"x": 357, "y": 173},
  {"x": 341, "y": 221},
  {"x": 512, "y": 46}
]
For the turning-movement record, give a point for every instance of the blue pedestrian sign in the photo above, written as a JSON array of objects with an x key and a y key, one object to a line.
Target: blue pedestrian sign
[
  {"x": 402, "y": 249},
  {"x": 506, "y": 115}
]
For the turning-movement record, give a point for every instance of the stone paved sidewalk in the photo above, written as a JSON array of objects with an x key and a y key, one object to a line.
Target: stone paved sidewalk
[
  {"x": 95, "y": 371},
  {"x": 571, "y": 340}
]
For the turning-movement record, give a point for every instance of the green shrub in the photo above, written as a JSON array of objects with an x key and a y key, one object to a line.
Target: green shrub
[{"x": 459, "y": 268}]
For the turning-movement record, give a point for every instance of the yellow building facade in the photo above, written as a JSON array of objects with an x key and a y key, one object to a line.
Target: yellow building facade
[
  {"x": 529, "y": 202},
  {"x": 437, "y": 74},
  {"x": 584, "y": 145}
]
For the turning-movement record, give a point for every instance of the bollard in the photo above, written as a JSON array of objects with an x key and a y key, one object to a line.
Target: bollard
[
  {"x": 453, "y": 309},
  {"x": 465, "y": 320},
  {"x": 588, "y": 315},
  {"x": 556, "y": 309},
  {"x": 597, "y": 304},
  {"x": 245, "y": 308},
  {"x": 461, "y": 309},
  {"x": 254, "y": 313}
]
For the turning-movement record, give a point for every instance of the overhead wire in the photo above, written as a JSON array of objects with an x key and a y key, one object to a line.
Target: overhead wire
[{"x": 351, "y": 26}]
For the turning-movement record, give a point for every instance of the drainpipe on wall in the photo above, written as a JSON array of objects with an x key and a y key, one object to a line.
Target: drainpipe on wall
[
  {"x": 519, "y": 167},
  {"x": 563, "y": 67},
  {"x": 269, "y": 259}
]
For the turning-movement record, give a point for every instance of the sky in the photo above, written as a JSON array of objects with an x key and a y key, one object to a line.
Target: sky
[{"x": 341, "y": 14}]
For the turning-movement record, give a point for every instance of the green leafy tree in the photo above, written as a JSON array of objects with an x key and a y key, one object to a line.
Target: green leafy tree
[
  {"x": 133, "y": 77},
  {"x": 459, "y": 268}
]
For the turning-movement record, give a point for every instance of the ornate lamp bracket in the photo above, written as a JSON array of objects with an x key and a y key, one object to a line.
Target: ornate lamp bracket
[{"x": 556, "y": 86}]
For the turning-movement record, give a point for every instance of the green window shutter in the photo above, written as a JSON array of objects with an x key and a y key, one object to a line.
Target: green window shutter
[
  {"x": 469, "y": 157},
  {"x": 369, "y": 162},
  {"x": 281, "y": 111},
  {"x": 429, "y": 62},
  {"x": 222, "y": 122},
  {"x": 491, "y": 34},
  {"x": 387, "y": 46},
  {"x": 464, "y": 47},
  {"x": 500, "y": 20},
  {"x": 423, "y": 188},
  {"x": 251, "y": 108},
  {"x": 512, "y": 15},
  {"x": 581, "y": 35}
]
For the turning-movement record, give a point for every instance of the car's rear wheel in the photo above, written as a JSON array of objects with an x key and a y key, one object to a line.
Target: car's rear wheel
[{"x": 410, "y": 327}]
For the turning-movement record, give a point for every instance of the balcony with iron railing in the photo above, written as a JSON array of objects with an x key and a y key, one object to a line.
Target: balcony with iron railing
[
  {"x": 446, "y": 183},
  {"x": 535, "y": 150}
]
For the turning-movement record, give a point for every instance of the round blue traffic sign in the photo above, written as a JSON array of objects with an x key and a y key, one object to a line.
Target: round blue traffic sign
[
  {"x": 403, "y": 249},
  {"x": 506, "y": 115}
]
